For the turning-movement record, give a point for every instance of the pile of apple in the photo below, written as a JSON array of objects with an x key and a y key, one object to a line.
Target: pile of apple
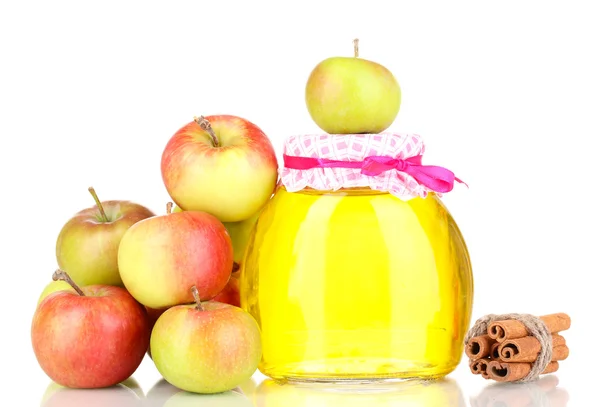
[{"x": 130, "y": 281}]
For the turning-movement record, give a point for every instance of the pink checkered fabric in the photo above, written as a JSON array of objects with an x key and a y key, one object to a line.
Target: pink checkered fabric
[{"x": 353, "y": 147}]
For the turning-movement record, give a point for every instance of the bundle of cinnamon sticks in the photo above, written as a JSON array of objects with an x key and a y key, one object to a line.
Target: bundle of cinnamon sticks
[{"x": 507, "y": 351}]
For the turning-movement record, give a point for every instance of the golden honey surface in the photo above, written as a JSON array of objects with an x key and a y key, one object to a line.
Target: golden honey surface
[{"x": 357, "y": 285}]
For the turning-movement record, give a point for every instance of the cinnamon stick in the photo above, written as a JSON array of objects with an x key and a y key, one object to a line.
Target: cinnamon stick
[
  {"x": 480, "y": 366},
  {"x": 512, "y": 329},
  {"x": 494, "y": 352},
  {"x": 510, "y": 372},
  {"x": 526, "y": 349},
  {"x": 479, "y": 347}
]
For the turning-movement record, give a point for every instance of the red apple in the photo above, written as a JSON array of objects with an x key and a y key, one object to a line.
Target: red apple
[
  {"x": 209, "y": 347},
  {"x": 161, "y": 257},
  {"x": 93, "y": 338},
  {"x": 230, "y": 294},
  {"x": 224, "y": 165},
  {"x": 87, "y": 245}
]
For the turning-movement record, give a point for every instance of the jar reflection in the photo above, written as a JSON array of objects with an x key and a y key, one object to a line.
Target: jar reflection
[{"x": 411, "y": 393}]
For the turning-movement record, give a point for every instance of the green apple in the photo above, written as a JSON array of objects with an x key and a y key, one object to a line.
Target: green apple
[
  {"x": 87, "y": 245},
  {"x": 352, "y": 95},
  {"x": 53, "y": 287},
  {"x": 208, "y": 347}
]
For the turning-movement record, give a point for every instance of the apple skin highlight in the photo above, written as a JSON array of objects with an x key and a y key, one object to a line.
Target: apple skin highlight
[
  {"x": 91, "y": 341},
  {"x": 231, "y": 180},
  {"x": 160, "y": 258}
]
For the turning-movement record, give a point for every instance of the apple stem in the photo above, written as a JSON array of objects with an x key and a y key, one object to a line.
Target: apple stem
[
  {"x": 196, "y": 295},
  {"x": 98, "y": 204},
  {"x": 355, "y": 47},
  {"x": 62, "y": 275},
  {"x": 205, "y": 125},
  {"x": 169, "y": 207}
]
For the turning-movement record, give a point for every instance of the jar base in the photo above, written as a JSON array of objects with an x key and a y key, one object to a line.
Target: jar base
[{"x": 356, "y": 372}]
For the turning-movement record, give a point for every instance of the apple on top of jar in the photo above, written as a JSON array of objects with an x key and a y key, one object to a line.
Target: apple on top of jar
[{"x": 352, "y": 95}]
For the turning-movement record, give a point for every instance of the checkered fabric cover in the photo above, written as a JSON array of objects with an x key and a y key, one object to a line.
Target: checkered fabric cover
[{"x": 353, "y": 147}]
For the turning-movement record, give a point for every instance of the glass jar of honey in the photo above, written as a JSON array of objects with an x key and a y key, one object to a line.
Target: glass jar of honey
[{"x": 355, "y": 269}]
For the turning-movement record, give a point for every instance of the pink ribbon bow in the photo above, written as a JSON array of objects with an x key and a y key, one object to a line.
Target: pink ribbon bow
[{"x": 435, "y": 178}]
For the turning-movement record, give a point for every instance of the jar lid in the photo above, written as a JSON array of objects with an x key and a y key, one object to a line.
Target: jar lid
[{"x": 386, "y": 162}]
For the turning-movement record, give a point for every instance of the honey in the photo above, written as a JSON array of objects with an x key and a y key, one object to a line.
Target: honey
[{"x": 357, "y": 284}]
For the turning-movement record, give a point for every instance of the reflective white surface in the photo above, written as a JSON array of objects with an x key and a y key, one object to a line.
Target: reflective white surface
[
  {"x": 461, "y": 389},
  {"x": 505, "y": 95}
]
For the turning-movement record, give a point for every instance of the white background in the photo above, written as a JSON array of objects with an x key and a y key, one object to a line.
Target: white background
[{"x": 505, "y": 94}]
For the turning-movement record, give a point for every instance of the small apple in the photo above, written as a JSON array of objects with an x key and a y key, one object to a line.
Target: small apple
[
  {"x": 209, "y": 347},
  {"x": 352, "y": 95},
  {"x": 161, "y": 257},
  {"x": 53, "y": 287},
  {"x": 224, "y": 165},
  {"x": 94, "y": 338},
  {"x": 230, "y": 294},
  {"x": 87, "y": 245}
]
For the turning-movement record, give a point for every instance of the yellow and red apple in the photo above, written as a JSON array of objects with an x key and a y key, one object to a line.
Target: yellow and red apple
[
  {"x": 92, "y": 338},
  {"x": 224, "y": 165},
  {"x": 161, "y": 257},
  {"x": 208, "y": 347},
  {"x": 352, "y": 95},
  {"x": 239, "y": 232},
  {"x": 87, "y": 245}
]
